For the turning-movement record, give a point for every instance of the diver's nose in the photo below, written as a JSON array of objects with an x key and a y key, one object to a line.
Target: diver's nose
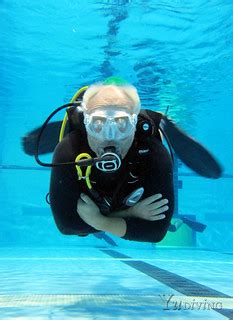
[{"x": 110, "y": 131}]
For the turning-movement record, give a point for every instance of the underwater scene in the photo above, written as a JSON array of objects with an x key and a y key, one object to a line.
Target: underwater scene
[{"x": 116, "y": 158}]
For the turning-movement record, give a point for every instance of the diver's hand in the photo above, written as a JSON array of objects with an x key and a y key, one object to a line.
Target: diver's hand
[
  {"x": 89, "y": 212},
  {"x": 151, "y": 208}
]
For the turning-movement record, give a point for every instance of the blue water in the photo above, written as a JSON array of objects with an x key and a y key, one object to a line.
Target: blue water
[{"x": 177, "y": 53}]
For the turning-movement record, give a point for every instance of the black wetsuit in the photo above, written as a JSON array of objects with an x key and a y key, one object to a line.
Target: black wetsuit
[{"x": 153, "y": 172}]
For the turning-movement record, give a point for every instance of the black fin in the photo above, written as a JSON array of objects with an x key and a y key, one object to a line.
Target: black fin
[
  {"x": 48, "y": 141},
  {"x": 106, "y": 238},
  {"x": 194, "y": 225},
  {"x": 191, "y": 152},
  {"x": 172, "y": 228}
]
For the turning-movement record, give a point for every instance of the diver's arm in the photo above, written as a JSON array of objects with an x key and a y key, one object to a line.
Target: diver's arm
[
  {"x": 158, "y": 175},
  {"x": 116, "y": 226},
  {"x": 90, "y": 214},
  {"x": 126, "y": 213},
  {"x": 64, "y": 193},
  {"x": 151, "y": 208}
]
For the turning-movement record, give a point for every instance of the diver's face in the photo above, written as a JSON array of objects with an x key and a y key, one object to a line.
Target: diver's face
[
  {"x": 110, "y": 126},
  {"x": 121, "y": 148}
]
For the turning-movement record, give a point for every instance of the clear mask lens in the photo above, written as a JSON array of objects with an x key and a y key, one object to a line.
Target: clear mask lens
[{"x": 116, "y": 125}]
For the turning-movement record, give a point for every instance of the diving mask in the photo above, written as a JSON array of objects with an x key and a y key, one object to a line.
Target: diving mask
[{"x": 110, "y": 124}]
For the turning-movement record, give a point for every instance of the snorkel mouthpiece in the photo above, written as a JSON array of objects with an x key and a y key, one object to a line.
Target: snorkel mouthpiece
[{"x": 109, "y": 161}]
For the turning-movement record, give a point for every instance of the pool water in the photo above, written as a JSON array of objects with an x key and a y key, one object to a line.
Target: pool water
[{"x": 178, "y": 54}]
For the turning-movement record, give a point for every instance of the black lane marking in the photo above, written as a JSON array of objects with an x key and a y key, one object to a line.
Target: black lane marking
[{"x": 174, "y": 281}]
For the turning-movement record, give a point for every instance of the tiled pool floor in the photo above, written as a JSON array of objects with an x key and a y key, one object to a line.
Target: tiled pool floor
[{"x": 95, "y": 283}]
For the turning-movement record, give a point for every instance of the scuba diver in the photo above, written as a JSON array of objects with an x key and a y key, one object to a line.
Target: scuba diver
[{"x": 110, "y": 170}]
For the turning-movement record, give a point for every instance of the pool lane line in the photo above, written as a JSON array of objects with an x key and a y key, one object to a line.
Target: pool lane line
[
  {"x": 172, "y": 280},
  {"x": 22, "y": 167}
]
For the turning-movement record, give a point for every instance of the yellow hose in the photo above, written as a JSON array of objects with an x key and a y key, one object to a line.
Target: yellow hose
[
  {"x": 88, "y": 169},
  {"x": 75, "y": 97}
]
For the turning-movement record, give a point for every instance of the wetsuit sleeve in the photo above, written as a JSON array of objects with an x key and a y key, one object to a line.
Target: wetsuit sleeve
[
  {"x": 158, "y": 178},
  {"x": 65, "y": 192}
]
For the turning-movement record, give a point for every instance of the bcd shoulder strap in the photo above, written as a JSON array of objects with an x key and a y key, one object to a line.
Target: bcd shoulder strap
[{"x": 152, "y": 118}]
